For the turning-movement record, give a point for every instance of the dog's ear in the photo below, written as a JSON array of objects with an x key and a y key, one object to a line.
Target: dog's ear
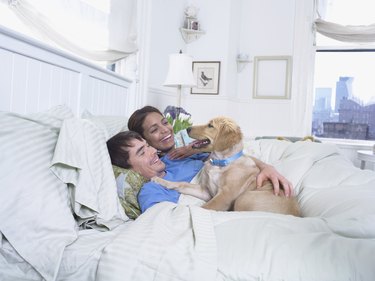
[{"x": 229, "y": 134}]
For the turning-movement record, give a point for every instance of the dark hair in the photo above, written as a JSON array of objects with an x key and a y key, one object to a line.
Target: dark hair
[
  {"x": 117, "y": 148},
  {"x": 135, "y": 122}
]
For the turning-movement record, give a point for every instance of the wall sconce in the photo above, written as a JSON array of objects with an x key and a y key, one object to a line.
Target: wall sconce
[
  {"x": 242, "y": 61},
  {"x": 180, "y": 73}
]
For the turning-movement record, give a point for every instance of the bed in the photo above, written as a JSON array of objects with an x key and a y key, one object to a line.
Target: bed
[{"x": 61, "y": 217}]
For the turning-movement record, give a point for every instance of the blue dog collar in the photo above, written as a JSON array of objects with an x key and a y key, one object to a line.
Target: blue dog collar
[{"x": 225, "y": 162}]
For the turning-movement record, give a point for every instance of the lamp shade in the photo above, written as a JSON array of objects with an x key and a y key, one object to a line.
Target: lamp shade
[{"x": 180, "y": 71}]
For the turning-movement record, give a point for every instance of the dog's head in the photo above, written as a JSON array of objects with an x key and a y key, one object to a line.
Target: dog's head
[{"x": 218, "y": 134}]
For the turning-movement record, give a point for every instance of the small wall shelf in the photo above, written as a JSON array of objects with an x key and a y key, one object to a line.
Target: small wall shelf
[
  {"x": 191, "y": 35},
  {"x": 241, "y": 64}
]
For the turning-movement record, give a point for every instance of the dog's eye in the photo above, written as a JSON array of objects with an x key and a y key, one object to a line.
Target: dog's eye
[{"x": 210, "y": 125}]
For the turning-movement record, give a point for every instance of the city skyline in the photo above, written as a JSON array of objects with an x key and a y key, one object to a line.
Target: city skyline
[
  {"x": 359, "y": 65},
  {"x": 347, "y": 119}
]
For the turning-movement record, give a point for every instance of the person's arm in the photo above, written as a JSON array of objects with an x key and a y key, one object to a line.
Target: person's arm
[
  {"x": 268, "y": 172},
  {"x": 182, "y": 152}
]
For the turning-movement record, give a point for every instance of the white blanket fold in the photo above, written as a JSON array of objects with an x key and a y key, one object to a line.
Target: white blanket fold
[{"x": 168, "y": 242}]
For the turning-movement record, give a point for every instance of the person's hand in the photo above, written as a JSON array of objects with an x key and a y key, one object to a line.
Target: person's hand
[
  {"x": 181, "y": 152},
  {"x": 268, "y": 172}
]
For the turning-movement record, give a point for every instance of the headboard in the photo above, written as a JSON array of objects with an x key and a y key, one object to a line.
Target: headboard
[{"x": 35, "y": 77}]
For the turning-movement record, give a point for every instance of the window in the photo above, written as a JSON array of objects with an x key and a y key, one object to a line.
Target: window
[
  {"x": 344, "y": 103},
  {"x": 344, "y": 86},
  {"x": 102, "y": 32}
]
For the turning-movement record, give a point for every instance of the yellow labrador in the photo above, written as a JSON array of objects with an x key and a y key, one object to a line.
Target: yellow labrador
[{"x": 228, "y": 179}]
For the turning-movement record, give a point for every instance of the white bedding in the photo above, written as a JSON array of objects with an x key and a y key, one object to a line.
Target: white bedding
[
  {"x": 335, "y": 240},
  {"x": 174, "y": 242}
]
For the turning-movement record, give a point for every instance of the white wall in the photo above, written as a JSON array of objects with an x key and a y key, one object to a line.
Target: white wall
[{"x": 267, "y": 27}]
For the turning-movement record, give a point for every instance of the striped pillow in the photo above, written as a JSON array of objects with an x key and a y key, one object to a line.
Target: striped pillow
[
  {"x": 81, "y": 160},
  {"x": 109, "y": 125},
  {"x": 35, "y": 213}
]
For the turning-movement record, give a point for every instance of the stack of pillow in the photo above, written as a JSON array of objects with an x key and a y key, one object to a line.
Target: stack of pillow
[{"x": 55, "y": 179}]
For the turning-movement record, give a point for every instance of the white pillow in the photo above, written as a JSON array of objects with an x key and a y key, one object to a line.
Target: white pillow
[
  {"x": 35, "y": 213},
  {"x": 51, "y": 118},
  {"x": 81, "y": 159},
  {"x": 266, "y": 150},
  {"x": 109, "y": 125}
]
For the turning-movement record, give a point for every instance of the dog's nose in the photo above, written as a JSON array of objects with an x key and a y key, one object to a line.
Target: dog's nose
[{"x": 188, "y": 129}]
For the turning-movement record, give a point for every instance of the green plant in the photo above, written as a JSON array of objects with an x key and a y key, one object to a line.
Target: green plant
[{"x": 178, "y": 118}]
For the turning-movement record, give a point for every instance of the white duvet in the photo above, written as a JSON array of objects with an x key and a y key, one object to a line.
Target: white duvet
[{"x": 334, "y": 241}]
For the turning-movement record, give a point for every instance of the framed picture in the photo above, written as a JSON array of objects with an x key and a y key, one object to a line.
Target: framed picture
[
  {"x": 272, "y": 77},
  {"x": 207, "y": 77}
]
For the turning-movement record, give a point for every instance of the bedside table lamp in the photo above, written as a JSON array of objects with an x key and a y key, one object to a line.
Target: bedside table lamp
[{"x": 180, "y": 73}]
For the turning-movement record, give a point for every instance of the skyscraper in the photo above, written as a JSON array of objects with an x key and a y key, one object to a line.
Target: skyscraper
[
  {"x": 343, "y": 90},
  {"x": 322, "y": 99}
]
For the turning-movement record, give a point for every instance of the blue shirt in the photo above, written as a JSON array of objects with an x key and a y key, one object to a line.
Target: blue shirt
[{"x": 176, "y": 170}]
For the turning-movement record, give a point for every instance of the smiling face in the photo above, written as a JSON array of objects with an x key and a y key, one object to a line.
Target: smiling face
[
  {"x": 144, "y": 159},
  {"x": 158, "y": 132}
]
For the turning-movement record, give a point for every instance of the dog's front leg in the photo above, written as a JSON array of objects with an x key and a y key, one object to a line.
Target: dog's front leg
[
  {"x": 186, "y": 188},
  {"x": 168, "y": 184}
]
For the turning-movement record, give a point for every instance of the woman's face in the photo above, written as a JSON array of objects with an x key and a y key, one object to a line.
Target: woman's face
[
  {"x": 144, "y": 159},
  {"x": 158, "y": 132}
]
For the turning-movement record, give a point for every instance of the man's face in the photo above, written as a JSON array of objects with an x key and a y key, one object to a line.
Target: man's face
[{"x": 144, "y": 159}]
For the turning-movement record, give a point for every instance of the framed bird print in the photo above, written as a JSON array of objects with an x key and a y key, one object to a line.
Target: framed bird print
[{"x": 207, "y": 77}]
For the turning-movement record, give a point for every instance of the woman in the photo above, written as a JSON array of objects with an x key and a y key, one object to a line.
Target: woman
[{"x": 150, "y": 123}]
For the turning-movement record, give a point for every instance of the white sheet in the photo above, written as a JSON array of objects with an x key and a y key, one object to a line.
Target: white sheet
[
  {"x": 174, "y": 242},
  {"x": 167, "y": 242},
  {"x": 276, "y": 247},
  {"x": 79, "y": 261},
  {"x": 337, "y": 241}
]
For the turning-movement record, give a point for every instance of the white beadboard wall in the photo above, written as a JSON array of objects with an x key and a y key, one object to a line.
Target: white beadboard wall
[{"x": 35, "y": 77}]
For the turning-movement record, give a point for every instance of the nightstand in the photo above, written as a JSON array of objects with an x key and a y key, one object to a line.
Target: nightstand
[{"x": 366, "y": 156}]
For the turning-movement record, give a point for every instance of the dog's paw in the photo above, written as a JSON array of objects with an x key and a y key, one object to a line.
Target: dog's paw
[
  {"x": 162, "y": 182},
  {"x": 156, "y": 179}
]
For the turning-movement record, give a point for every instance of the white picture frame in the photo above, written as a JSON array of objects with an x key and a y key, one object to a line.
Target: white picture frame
[{"x": 272, "y": 77}]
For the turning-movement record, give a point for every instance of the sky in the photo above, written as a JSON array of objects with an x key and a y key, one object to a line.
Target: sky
[{"x": 360, "y": 65}]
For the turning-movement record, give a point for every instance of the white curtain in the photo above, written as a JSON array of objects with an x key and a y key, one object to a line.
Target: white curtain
[
  {"x": 336, "y": 29},
  {"x": 99, "y": 30}
]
